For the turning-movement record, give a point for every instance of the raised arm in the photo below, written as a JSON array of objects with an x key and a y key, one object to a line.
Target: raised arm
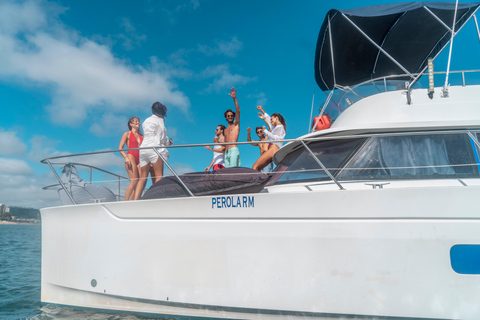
[
  {"x": 265, "y": 117},
  {"x": 233, "y": 94},
  {"x": 260, "y": 108},
  {"x": 249, "y": 138}
]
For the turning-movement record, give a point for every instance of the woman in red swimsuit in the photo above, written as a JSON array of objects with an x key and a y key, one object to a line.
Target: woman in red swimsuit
[{"x": 133, "y": 139}]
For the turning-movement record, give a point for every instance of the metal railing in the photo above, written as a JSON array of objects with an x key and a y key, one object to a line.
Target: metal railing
[
  {"x": 51, "y": 161},
  {"x": 91, "y": 169},
  {"x": 343, "y": 97},
  {"x": 293, "y": 146}
]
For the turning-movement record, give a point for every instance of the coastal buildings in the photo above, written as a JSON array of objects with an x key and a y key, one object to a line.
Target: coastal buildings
[{"x": 19, "y": 214}]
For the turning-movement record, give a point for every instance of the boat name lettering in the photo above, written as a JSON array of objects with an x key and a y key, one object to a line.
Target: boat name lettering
[{"x": 233, "y": 202}]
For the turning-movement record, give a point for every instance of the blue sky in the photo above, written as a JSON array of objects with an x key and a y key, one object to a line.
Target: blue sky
[{"x": 73, "y": 72}]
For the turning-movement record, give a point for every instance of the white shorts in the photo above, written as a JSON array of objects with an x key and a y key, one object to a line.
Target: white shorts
[{"x": 150, "y": 156}]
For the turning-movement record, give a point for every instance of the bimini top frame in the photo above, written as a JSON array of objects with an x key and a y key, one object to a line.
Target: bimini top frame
[{"x": 361, "y": 44}]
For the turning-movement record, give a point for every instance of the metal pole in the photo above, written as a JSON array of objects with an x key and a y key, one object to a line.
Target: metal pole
[
  {"x": 331, "y": 52},
  {"x": 311, "y": 112},
  {"x": 378, "y": 47},
  {"x": 409, "y": 89},
  {"x": 439, "y": 20},
  {"x": 476, "y": 25},
  {"x": 174, "y": 173},
  {"x": 323, "y": 109},
  {"x": 60, "y": 180},
  {"x": 445, "y": 86},
  {"x": 474, "y": 139},
  {"x": 321, "y": 165},
  {"x": 118, "y": 189}
]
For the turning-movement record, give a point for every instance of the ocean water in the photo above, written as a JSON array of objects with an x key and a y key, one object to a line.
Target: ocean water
[{"x": 20, "y": 269}]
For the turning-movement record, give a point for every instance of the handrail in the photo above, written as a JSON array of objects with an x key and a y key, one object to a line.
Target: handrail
[
  {"x": 315, "y": 138},
  {"x": 174, "y": 173},
  {"x": 407, "y": 75},
  {"x": 47, "y": 161},
  {"x": 341, "y": 92},
  {"x": 61, "y": 182},
  {"x": 301, "y": 141},
  {"x": 321, "y": 165}
]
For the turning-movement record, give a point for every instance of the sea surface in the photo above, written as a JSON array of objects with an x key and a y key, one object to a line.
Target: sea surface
[{"x": 20, "y": 267}]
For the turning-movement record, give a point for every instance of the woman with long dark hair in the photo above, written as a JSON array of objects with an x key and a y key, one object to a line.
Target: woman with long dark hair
[
  {"x": 133, "y": 139},
  {"x": 277, "y": 130}
]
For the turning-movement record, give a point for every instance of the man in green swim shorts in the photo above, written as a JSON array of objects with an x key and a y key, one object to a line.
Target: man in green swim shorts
[{"x": 232, "y": 154}]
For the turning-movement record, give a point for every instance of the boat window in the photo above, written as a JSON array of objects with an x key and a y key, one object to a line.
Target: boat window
[
  {"x": 343, "y": 98},
  {"x": 476, "y": 148},
  {"x": 431, "y": 156},
  {"x": 299, "y": 165},
  {"x": 413, "y": 157}
]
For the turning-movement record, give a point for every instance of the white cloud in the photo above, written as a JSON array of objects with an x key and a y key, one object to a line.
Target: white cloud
[
  {"x": 170, "y": 9},
  {"x": 174, "y": 67},
  {"x": 21, "y": 17},
  {"x": 110, "y": 125},
  {"x": 10, "y": 144},
  {"x": 261, "y": 98},
  {"x": 42, "y": 147},
  {"x": 224, "y": 79},
  {"x": 227, "y": 48},
  {"x": 14, "y": 167},
  {"x": 27, "y": 191},
  {"x": 81, "y": 74},
  {"x": 131, "y": 38}
]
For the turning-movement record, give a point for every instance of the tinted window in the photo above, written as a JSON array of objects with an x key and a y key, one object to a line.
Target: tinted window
[
  {"x": 413, "y": 157},
  {"x": 301, "y": 166},
  {"x": 396, "y": 157}
]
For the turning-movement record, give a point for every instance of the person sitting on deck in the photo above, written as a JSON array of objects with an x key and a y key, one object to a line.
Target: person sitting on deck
[
  {"x": 277, "y": 130},
  {"x": 262, "y": 146}
]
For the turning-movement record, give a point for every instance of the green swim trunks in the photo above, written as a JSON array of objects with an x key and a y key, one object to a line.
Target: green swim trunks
[{"x": 232, "y": 157}]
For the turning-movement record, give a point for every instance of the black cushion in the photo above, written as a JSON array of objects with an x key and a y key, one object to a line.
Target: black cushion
[{"x": 237, "y": 180}]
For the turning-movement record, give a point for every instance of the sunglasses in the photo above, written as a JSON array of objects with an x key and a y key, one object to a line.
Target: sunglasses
[
  {"x": 259, "y": 131},
  {"x": 230, "y": 116}
]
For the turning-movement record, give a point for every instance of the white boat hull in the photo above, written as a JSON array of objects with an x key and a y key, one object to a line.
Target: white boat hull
[{"x": 372, "y": 252}]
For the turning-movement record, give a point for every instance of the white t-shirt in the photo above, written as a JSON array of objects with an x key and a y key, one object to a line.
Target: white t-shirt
[
  {"x": 277, "y": 133},
  {"x": 218, "y": 157},
  {"x": 154, "y": 135}
]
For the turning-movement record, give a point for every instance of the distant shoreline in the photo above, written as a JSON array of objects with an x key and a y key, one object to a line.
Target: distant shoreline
[{"x": 18, "y": 222}]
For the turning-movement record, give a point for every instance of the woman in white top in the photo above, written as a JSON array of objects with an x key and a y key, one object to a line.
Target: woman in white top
[
  {"x": 277, "y": 130},
  {"x": 154, "y": 135}
]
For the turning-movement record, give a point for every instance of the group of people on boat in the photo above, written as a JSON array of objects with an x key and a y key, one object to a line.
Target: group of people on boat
[{"x": 139, "y": 163}]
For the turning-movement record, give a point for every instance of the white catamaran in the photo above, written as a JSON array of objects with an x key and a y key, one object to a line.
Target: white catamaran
[{"x": 373, "y": 217}]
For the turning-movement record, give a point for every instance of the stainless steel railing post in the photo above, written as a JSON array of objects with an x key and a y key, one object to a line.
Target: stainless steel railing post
[
  {"x": 321, "y": 165},
  {"x": 174, "y": 173},
  {"x": 61, "y": 182}
]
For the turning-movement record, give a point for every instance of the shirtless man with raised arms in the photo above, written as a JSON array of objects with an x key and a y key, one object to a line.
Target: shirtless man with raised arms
[{"x": 232, "y": 154}]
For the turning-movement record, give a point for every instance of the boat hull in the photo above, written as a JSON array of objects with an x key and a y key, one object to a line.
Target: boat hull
[{"x": 370, "y": 252}]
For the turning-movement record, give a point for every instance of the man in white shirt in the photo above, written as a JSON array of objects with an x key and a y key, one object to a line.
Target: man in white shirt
[{"x": 154, "y": 135}]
